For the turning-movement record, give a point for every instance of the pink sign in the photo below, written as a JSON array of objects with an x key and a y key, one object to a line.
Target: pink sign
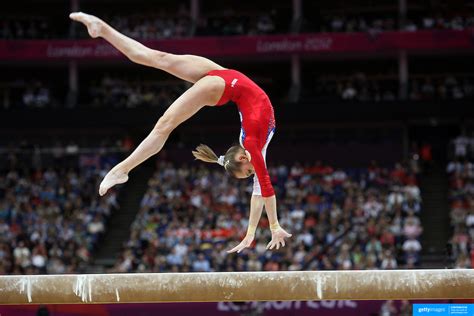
[{"x": 311, "y": 44}]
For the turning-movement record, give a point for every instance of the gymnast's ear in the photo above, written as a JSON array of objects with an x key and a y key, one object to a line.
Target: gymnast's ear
[
  {"x": 249, "y": 156},
  {"x": 245, "y": 156}
]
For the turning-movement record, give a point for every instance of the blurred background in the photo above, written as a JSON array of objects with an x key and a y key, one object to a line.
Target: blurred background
[{"x": 371, "y": 161}]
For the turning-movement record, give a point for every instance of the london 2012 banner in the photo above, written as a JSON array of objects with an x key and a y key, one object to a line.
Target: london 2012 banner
[{"x": 305, "y": 44}]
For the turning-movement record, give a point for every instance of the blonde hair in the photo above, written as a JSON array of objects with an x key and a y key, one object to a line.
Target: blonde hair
[{"x": 205, "y": 153}]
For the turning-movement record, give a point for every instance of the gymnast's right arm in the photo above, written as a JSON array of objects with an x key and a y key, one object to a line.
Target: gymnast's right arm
[
  {"x": 135, "y": 51},
  {"x": 267, "y": 194},
  {"x": 256, "y": 208}
]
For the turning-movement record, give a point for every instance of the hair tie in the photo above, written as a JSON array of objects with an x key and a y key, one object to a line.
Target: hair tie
[{"x": 221, "y": 160}]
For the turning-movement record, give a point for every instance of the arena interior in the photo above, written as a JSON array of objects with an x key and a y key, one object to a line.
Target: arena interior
[{"x": 372, "y": 161}]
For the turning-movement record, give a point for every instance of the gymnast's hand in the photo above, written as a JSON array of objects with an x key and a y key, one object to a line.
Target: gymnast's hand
[
  {"x": 246, "y": 242},
  {"x": 278, "y": 238}
]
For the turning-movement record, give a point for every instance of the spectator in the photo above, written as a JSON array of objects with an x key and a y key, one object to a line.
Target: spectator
[
  {"x": 349, "y": 93},
  {"x": 388, "y": 309},
  {"x": 460, "y": 146},
  {"x": 412, "y": 249},
  {"x": 412, "y": 228},
  {"x": 201, "y": 264}
]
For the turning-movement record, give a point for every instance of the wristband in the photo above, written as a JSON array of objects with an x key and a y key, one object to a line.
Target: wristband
[
  {"x": 275, "y": 226},
  {"x": 251, "y": 230}
]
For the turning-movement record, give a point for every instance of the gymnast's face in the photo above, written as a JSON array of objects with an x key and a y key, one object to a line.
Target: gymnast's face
[{"x": 246, "y": 168}]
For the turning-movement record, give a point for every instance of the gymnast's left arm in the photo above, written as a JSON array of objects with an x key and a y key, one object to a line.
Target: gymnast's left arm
[{"x": 278, "y": 233}]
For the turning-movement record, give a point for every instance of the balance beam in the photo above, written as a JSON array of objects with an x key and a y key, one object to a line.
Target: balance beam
[{"x": 236, "y": 286}]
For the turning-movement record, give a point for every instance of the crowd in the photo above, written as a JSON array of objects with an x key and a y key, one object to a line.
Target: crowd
[
  {"x": 442, "y": 22},
  {"x": 148, "y": 26},
  {"x": 177, "y": 23},
  {"x": 352, "y": 24},
  {"x": 229, "y": 22},
  {"x": 25, "y": 28},
  {"x": 363, "y": 87},
  {"x": 340, "y": 219},
  {"x": 50, "y": 215},
  {"x": 36, "y": 95},
  {"x": 446, "y": 87},
  {"x": 118, "y": 92},
  {"x": 377, "y": 24},
  {"x": 461, "y": 195},
  {"x": 151, "y": 25},
  {"x": 108, "y": 91},
  {"x": 130, "y": 92},
  {"x": 232, "y": 23},
  {"x": 27, "y": 93}
]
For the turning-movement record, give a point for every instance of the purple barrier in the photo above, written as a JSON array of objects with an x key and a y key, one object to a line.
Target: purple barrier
[
  {"x": 312, "y": 44},
  {"x": 321, "y": 308}
]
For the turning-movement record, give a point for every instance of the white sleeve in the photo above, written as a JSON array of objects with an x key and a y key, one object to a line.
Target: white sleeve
[{"x": 256, "y": 186}]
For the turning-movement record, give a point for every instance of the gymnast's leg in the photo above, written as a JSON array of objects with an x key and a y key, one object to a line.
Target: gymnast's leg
[
  {"x": 206, "y": 91},
  {"x": 187, "y": 67}
]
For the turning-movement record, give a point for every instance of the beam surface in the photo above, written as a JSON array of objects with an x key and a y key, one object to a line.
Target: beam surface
[{"x": 235, "y": 286}]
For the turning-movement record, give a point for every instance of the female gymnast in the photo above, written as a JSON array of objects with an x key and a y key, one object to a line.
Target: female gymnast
[{"x": 213, "y": 86}]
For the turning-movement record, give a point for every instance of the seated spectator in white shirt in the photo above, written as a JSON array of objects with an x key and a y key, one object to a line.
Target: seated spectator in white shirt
[
  {"x": 411, "y": 245},
  {"x": 201, "y": 264}
]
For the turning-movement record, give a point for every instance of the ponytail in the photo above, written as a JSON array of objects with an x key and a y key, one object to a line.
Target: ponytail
[{"x": 205, "y": 153}]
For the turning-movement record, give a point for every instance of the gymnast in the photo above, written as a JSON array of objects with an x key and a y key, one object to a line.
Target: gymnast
[{"x": 213, "y": 85}]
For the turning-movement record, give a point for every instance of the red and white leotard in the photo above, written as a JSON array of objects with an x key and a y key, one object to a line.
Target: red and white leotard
[{"x": 257, "y": 120}]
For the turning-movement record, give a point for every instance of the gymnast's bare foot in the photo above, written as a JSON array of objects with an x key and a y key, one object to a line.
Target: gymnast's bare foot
[
  {"x": 94, "y": 24},
  {"x": 112, "y": 178}
]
